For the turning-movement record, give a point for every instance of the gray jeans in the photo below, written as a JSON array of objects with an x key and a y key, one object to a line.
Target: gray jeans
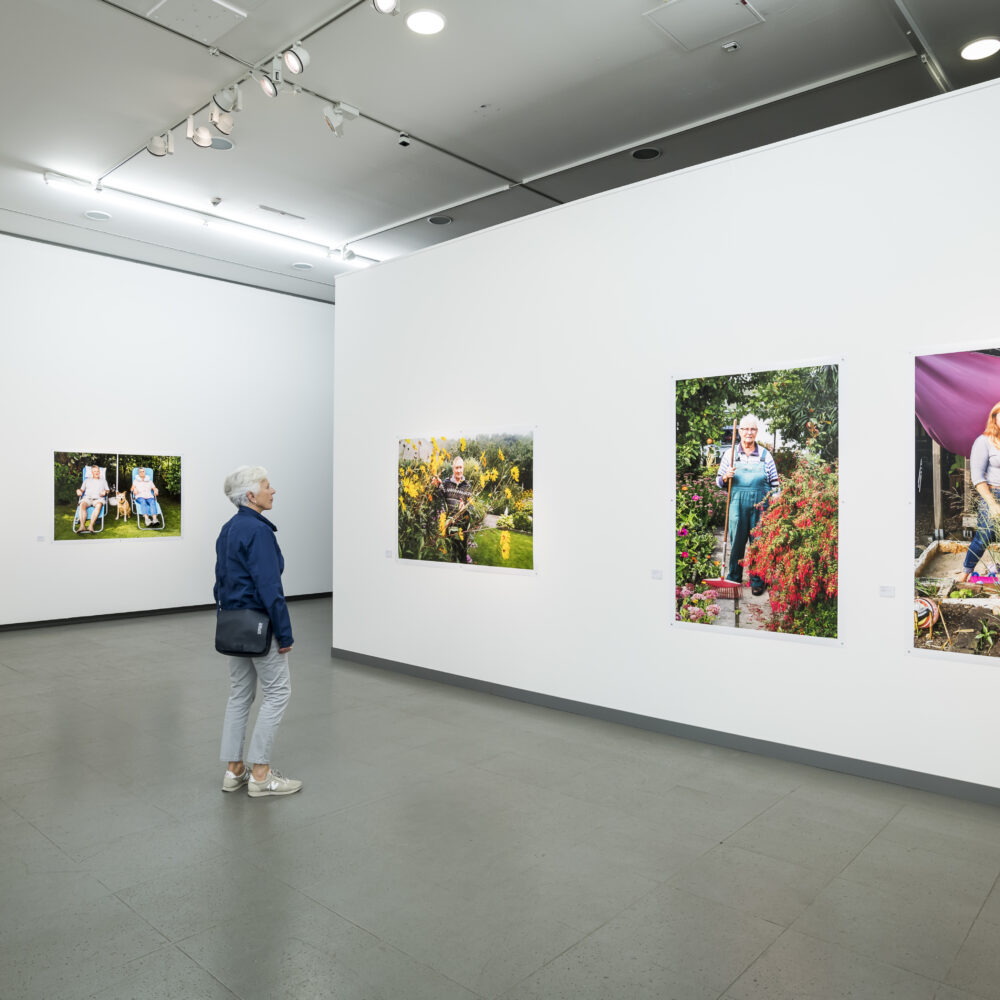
[{"x": 275, "y": 686}]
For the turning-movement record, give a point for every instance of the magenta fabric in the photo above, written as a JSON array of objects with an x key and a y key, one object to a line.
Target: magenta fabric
[{"x": 955, "y": 393}]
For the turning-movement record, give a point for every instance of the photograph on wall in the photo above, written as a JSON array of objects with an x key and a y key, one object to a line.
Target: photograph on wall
[
  {"x": 956, "y": 574},
  {"x": 757, "y": 500},
  {"x": 467, "y": 500},
  {"x": 105, "y": 495}
]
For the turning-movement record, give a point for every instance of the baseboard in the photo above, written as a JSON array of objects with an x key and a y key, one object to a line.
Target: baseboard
[
  {"x": 764, "y": 748},
  {"x": 147, "y": 613}
]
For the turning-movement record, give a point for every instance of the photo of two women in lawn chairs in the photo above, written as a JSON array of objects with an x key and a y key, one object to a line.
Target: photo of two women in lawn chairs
[
  {"x": 757, "y": 500},
  {"x": 110, "y": 495},
  {"x": 467, "y": 500}
]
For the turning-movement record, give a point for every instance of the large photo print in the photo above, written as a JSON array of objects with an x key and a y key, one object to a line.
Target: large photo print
[
  {"x": 467, "y": 500},
  {"x": 956, "y": 584},
  {"x": 110, "y": 495},
  {"x": 757, "y": 500}
]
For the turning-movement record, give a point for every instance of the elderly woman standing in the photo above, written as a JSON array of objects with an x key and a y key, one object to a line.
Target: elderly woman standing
[
  {"x": 248, "y": 570},
  {"x": 984, "y": 466},
  {"x": 755, "y": 476}
]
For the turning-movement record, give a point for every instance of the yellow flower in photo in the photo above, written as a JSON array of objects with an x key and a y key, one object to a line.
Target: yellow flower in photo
[
  {"x": 494, "y": 475},
  {"x": 515, "y": 472},
  {"x": 461, "y": 535},
  {"x": 505, "y": 544},
  {"x": 500, "y": 453},
  {"x": 510, "y": 496},
  {"x": 482, "y": 458},
  {"x": 442, "y": 523},
  {"x": 461, "y": 444},
  {"x": 402, "y": 506},
  {"x": 401, "y": 470},
  {"x": 482, "y": 481}
]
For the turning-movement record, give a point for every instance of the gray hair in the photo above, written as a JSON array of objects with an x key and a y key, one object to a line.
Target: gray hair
[
  {"x": 748, "y": 420},
  {"x": 245, "y": 479}
]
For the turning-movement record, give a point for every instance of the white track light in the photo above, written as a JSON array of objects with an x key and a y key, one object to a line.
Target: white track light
[
  {"x": 161, "y": 145},
  {"x": 336, "y": 114},
  {"x": 296, "y": 58},
  {"x": 386, "y": 6},
  {"x": 270, "y": 83},
  {"x": 229, "y": 99},
  {"x": 222, "y": 120},
  {"x": 200, "y": 136}
]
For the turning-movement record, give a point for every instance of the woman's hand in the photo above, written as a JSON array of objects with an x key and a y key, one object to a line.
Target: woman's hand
[
  {"x": 727, "y": 475},
  {"x": 284, "y": 649}
]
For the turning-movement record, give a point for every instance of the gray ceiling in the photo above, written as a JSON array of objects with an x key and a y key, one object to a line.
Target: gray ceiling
[{"x": 514, "y": 108}]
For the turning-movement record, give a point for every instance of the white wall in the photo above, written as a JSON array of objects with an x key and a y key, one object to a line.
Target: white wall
[
  {"x": 868, "y": 242},
  {"x": 225, "y": 375}
]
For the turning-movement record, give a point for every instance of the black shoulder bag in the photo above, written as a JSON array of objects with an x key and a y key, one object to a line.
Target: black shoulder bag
[{"x": 242, "y": 632}]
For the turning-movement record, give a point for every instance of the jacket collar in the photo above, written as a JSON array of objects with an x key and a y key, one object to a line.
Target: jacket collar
[{"x": 250, "y": 512}]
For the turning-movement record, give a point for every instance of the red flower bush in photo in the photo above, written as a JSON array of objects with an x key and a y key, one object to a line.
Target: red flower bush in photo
[{"x": 794, "y": 548}]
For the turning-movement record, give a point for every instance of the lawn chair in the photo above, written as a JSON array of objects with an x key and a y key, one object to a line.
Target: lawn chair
[
  {"x": 90, "y": 507},
  {"x": 150, "y": 506}
]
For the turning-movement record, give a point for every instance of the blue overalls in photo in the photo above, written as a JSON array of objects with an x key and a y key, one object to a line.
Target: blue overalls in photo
[{"x": 750, "y": 487}]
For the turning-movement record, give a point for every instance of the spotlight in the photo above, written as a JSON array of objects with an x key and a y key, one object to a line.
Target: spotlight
[
  {"x": 271, "y": 83},
  {"x": 336, "y": 114},
  {"x": 386, "y": 6},
  {"x": 161, "y": 145},
  {"x": 296, "y": 58},
  {"x": 222, "y": 120},
  {"x": 200, "y": 136},
  {"x": 229, "y": 98}
]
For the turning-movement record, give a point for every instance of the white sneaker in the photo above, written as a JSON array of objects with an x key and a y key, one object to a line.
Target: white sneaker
[
  {"x": 234, "y": 782},
  {"x": 274, "y": 784}
]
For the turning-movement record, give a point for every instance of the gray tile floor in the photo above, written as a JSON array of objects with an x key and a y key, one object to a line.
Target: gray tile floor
[{"x": 448, "y": 845}]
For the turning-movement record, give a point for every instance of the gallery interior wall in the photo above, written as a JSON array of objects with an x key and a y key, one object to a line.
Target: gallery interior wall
[
  {"x": 106, "y": 355},
  {"x": 863, "y": 244}
]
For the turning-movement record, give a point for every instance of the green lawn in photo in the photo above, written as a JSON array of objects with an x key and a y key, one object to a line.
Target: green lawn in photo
[
  {"x": 63, "y": 528},
  {"x": 487, "y": 550}
]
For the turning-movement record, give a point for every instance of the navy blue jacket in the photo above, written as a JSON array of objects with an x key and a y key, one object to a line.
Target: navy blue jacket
[{"x": 248, "y": 568}]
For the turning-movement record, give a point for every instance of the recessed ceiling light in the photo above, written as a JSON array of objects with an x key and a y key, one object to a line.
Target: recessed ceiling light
[
  {"x": 425, "y": 22},
  {"x": 302, "y": 266},
  {"x": 981, "y": 48},
  {"x": 646, "y": 153},
  {"x": 96, "y": 215},
  {"x": 440, "y": 220}
]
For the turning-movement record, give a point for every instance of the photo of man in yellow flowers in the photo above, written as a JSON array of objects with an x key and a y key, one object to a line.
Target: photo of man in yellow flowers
[{"x": 467, "y": 500}]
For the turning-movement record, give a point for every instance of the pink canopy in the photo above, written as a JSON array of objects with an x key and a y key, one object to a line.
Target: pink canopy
[{"x": 955, "y": 393}]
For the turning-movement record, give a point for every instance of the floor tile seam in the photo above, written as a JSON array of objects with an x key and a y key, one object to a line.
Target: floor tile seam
[
  {"x": 867, "y": 957},
  {"x": 62, "y": 850},
  {"x": 382, "y": 941},
  {"x": 829, "y": 876},
  {"x": 904, "y": 889},
  {"x": 871, "y": 840},
  {"x": 575, "y": 944},
  {"x": 968, "y": 933},
  {"x": 179, "y": 946},
  {"x": 950, "y": 856},
  {"x": 753, "y": 913}
]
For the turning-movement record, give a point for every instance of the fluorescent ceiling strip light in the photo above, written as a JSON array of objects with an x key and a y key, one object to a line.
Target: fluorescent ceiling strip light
[
  {"x": 178, "y": 213},
  {"x": 228, "y": 6}
]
